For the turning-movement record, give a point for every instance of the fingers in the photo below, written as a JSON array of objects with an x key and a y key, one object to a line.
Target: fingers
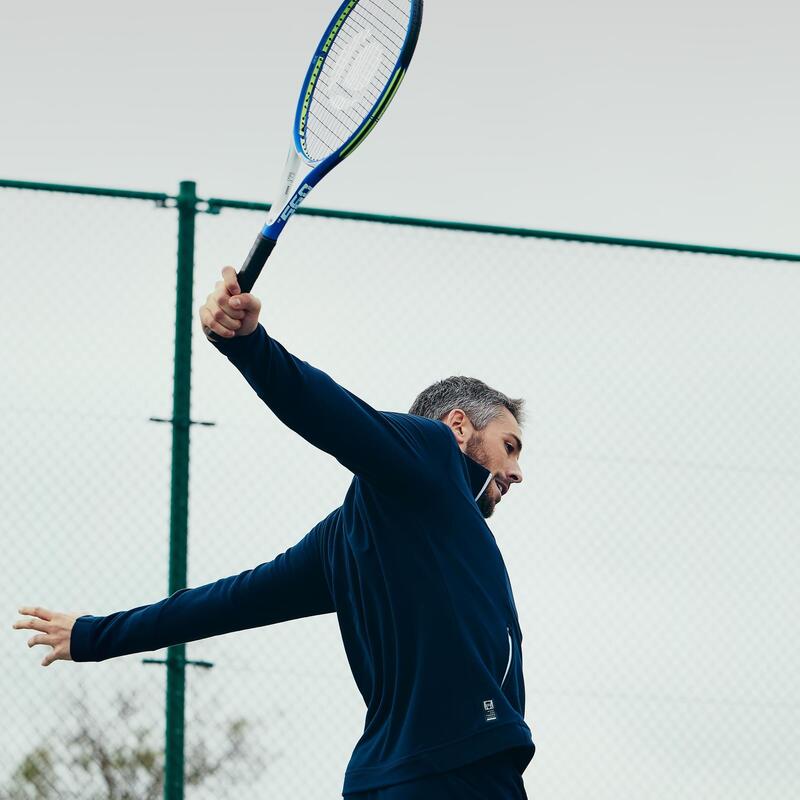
[
  {"x": 213, "y": 318},
  {"x": 31, "y": 624},
  {"x": 58, "y": 653},
  {"x": 40, "y": 622},
  {"x": 55, "y": 629},
  {"x": 52, "y": 632},
  {"x": 245, "y": 304},
  {"x": 229, "y": 279},
  {"x": 37, "y": 611},
  {"x": 41, "y": 639},
  {"x": 228, "y": 312},
  {"x": 229, "y": 297},
  {"x": 221, "y": 297}
]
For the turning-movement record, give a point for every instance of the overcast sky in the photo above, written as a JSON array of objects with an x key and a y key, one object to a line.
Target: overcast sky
[
  {"x": 653, "y": 547},
  {"x": 675, "y": 121}
]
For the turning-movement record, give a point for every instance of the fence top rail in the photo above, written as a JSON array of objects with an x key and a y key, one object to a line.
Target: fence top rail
[
  {"x": 215, "y": 204},
  {"x": 159, "y": 197}
]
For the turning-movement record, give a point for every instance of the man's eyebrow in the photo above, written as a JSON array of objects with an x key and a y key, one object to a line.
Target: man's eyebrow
[{"x": 517, "y": 440}]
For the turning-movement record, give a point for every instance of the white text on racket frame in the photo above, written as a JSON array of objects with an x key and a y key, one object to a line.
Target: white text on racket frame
[{"x": 294, "y": 203}]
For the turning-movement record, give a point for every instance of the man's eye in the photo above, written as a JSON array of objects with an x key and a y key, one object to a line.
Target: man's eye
[{"x": 509, "y": 447}]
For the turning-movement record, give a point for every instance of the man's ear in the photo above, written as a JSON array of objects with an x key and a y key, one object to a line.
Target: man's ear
[{"x": 459, "y": 423}]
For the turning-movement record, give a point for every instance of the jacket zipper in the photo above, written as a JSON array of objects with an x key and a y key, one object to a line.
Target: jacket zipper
[{"x": 510, "y": 655}]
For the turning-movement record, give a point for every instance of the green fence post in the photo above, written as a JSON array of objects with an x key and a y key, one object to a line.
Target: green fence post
[{"x": 179, "y": 503}]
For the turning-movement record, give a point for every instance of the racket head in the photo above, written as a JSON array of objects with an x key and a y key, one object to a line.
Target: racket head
[{"x": 355, "y": 71}]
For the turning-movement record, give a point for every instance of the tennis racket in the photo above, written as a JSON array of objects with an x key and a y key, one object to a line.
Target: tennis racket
[{"x": 354, "y": 74}]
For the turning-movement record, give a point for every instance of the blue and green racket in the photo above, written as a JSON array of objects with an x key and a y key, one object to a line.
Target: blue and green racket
[{"x": 356, "y": 70}]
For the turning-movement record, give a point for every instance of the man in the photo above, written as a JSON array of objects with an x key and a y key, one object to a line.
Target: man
[{"x": 407, "y": 562}]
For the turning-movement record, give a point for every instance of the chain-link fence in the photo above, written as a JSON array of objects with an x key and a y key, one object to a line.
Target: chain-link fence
[{"x": 653, "y": 546}]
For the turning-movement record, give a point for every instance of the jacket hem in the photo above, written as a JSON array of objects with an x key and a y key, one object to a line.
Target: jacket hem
[{"x": 443, "y": 758}]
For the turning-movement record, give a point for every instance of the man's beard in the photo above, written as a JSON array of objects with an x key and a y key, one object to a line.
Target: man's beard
[{"x": 475, "y": 450}]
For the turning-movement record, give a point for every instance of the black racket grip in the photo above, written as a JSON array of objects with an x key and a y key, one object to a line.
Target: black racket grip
[{"x": 254, "y": 262}]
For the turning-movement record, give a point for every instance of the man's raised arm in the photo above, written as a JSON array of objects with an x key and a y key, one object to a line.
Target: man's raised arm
[
  {"x": 291, "y": 586},
  {"x": 392, "y": 450}
]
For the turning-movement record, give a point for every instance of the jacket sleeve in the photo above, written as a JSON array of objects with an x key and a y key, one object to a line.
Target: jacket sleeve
[
  {"x": 291, "y": 586},
  {"x": 392, "y": 450}
]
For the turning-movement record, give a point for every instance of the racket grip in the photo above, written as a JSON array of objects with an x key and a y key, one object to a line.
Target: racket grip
[{"x": 254, "y": 262}]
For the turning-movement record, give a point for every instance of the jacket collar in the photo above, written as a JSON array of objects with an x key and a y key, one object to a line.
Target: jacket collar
[{"x": 477, "y": 475}]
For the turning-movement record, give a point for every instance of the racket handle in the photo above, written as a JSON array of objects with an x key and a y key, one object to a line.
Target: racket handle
[{"x": 254, "y": 262}]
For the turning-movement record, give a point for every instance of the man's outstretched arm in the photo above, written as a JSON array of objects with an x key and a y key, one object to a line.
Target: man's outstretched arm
[
  {"x": 291, "y": 586},
  {"x": 393, "y": 450}
]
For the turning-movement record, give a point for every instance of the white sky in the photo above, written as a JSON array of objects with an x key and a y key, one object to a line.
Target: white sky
[
  {"x": 653, "y": 547},
  {"x": 674, "y": 121}
]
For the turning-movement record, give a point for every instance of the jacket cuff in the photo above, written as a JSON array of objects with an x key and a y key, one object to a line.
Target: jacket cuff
[
  {"x": 80, "y": 641},
  {"x": 238, "y": 345}
]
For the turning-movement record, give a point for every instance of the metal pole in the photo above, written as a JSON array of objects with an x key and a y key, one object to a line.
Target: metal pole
[{"x": 179, "y": 504}]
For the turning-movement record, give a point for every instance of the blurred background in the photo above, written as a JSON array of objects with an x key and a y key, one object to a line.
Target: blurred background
[{"x": 653, "y": 547}]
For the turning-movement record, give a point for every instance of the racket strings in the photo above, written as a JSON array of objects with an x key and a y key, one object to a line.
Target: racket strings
[
  {"x": 385, "y": 33},
  {"x": 359, "y": 64}
]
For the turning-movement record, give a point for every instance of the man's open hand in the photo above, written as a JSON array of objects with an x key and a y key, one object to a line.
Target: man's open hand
[
  {"x": 55, "y": 628},
  {"x": 227, "y": 312}
]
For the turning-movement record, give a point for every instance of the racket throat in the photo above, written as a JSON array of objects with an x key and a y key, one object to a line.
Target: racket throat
[{"x": 285, "y": 187}]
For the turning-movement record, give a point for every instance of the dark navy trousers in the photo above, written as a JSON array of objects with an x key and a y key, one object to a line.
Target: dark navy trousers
[{"x": 494, "y": 778}]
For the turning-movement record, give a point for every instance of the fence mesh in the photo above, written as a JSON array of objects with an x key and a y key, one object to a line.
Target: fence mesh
[{"x": 652, "y": 546}]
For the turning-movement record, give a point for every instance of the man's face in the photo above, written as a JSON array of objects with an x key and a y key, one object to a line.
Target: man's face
[{"x": 496, "y": 447}]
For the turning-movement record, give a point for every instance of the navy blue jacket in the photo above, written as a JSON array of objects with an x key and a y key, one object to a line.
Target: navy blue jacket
[{"x": 408, "y": 564}]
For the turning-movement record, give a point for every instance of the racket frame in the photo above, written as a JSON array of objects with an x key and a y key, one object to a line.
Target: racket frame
[{"x": 292, "y": 190}]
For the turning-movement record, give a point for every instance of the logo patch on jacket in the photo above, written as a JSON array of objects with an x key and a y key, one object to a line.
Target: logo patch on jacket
[{"x": 488, "y": 708}]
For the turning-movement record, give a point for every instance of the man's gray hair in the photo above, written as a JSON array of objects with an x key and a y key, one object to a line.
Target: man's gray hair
[{"x": 478, "y": 401}]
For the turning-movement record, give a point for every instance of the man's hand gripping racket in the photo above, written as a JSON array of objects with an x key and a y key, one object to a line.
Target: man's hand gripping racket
[
  {"x": 227, "y": 312},
  {"x": 354, "y": 74}
]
